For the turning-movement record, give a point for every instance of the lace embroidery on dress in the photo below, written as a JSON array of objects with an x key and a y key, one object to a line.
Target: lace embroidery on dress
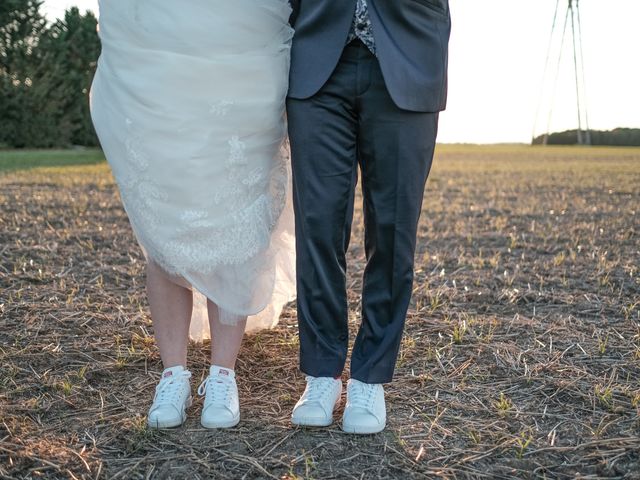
[
  {"x": 137, "y": 189},
  {"x": 246, "y": 230},
  {"x": 221, "y": 108}
]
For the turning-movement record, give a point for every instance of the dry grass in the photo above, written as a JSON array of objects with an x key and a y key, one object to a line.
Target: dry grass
[{"x": 521, "y": 356}]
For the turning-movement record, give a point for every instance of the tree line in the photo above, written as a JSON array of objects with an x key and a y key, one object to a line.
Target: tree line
[
  {"x": 621, "y": 137},
  {"x": 46, "y": 69}
]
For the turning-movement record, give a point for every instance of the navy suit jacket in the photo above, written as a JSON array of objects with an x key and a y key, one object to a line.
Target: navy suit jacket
[{"x": 412, "y": 43}]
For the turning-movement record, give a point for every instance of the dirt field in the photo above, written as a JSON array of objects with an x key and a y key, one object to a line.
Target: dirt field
[{"x": 521, "y": 357}]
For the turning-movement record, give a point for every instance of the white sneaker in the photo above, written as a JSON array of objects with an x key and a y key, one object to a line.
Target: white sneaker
[
  {"x": 315, "y": 407},
  {"x": 365, "y": 411},
  {"x": 221, "y": 407},
  {"x": 172, "y": 398}
]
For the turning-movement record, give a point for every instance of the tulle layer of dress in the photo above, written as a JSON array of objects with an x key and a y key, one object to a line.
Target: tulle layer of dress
[{"x": 188, "y": 102}]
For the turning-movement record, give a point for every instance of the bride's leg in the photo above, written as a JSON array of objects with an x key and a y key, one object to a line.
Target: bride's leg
[
  {"x": 225, "y": 339},
  {"x": 171, "y": 306},
  {"x": 221, "y": 407}
]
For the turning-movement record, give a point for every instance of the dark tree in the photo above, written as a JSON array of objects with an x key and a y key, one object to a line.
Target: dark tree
[
  {"x": 45, "y": 76},
  {"x": 21, "y": 27},
  {"x": 70, "y": 48},
  {"x": 621, "y": 137}
]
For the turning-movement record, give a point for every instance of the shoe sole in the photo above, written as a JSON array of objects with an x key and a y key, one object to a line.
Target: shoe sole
[
  {"x": 360, "y": 430},
  {"x": 165, "y": 425},
  {"x": 213, "y": 425},
  {"x": 171, "y": 424},
  {"x": 316, "y": 422},
  {"x": 311, "y": 422}
]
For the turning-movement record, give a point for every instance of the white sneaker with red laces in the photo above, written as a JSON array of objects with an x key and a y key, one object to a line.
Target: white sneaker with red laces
[
  {"x": 221, "y": 407},
  {"x": 365, "y": 412},
  {"x": 315, "y": 407},
  {"x": 172, "y": 398}
]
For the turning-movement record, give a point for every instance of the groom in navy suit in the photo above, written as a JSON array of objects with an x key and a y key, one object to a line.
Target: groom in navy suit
[{"x": 368, "y": 78}]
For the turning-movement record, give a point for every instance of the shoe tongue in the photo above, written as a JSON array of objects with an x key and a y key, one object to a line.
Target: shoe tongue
[
  {"x": 216, "y": 371},
  {"x": 172, "y": 371}
]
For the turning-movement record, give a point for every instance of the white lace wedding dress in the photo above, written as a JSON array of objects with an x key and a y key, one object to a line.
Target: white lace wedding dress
[{"x": 188, "y": 102}]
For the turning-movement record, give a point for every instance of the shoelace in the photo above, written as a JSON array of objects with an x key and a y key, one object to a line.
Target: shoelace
[
  {"x": 169, "y": 388},
  {"x": 362, "y": 396},
  {"x": 217, "y": 396},
  {"x": 317, "y": 388}
]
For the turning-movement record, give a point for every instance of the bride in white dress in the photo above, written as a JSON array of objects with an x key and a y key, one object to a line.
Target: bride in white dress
[{"x": 188, "y": 102}]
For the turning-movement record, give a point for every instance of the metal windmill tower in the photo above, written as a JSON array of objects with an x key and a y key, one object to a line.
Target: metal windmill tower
[{"x": 572, "y": 20}]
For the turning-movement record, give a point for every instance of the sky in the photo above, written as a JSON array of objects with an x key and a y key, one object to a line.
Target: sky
[{"x": 497, "y": 57}]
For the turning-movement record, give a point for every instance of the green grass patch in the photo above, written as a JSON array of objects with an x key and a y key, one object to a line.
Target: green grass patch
[{"x": 14, "y": 160}]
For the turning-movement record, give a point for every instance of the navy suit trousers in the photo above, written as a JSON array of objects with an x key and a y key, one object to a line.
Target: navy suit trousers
[{"x": 353, "y": 124}]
